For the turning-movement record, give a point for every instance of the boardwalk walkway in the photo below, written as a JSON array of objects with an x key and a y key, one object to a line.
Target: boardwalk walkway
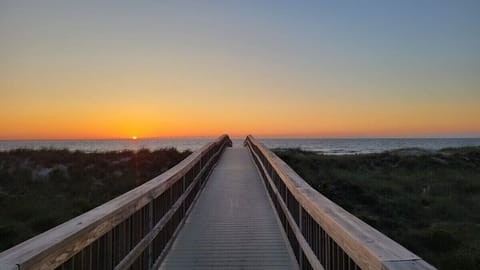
[{"x": 232, "y": 225}]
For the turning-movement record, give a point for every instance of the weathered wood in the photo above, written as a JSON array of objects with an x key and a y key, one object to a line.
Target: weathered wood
[
  {"x": 306, "y": 249},
  {"x": 369, "y": 248},
  {"x": 406, "y": 265},
  {"x": 50, "y": 249},
  {"x": 130, "y": 258},
  {"x": 233, "y": 224},
  {"x": 168, "y": 245}
]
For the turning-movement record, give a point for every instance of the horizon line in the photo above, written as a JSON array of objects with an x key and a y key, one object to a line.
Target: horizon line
[{"x": 415, "y": 136}]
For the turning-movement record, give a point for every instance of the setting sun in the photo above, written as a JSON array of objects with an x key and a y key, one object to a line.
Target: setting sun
[{"x": 134, "y": 137}]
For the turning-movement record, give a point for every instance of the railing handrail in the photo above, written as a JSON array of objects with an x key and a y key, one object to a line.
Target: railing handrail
[
  {"x": 93, "y": 224},
  {"x": 369, "y": 248}
]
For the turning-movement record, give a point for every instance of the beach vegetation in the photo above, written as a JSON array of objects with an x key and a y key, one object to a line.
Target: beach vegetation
[
  {"x": 428, "y": 201},
  {"x": 40, "y": 189}
]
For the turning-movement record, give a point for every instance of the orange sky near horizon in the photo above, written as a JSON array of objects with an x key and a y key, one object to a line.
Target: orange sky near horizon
[
  {"x": 147, "y": 69},
  {"x": 123, "y": 118}
]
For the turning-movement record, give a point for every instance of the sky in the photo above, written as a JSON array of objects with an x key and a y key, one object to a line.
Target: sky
[{"x": 115, "y": 69}]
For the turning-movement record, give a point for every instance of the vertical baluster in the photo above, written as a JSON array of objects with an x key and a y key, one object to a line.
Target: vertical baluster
[
  {"x": 300, "y": 251},
  {"x": 129, "y": 234},
  {"x": 150, "y": 226},
  {"x": 327, "y": 255},
  {"x": 87, "y": 259},
  {"x": 114, "y": 246}
]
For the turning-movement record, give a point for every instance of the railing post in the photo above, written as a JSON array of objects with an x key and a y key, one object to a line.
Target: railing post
[
  {"x": 300, "y": 225},
  {"x": 150, "y": 226}
]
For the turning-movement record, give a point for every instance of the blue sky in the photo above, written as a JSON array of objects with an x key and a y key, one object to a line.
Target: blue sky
[{"x": 377, "y": 67}]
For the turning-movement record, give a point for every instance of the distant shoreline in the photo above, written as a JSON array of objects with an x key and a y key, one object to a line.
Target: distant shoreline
[
  {"x": 413, "y": 151},
  {"x": 327, "y": 146}
]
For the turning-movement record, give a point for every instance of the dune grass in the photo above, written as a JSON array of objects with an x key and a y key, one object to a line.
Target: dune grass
[
  {"x": 40, "y": 189},
  {"x": 429, "y": 201}
]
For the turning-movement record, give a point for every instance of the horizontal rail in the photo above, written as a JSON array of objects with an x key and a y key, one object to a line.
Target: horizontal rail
[
  {"x": 280, "y": 205},
  {"x": 322, "y": 234},
  {"x": 128, "y": 232}
]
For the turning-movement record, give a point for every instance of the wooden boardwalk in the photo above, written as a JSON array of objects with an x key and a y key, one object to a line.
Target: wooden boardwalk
[{"x": 233, "y": 224}]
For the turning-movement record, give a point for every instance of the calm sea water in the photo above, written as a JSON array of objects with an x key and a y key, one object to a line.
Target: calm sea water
[{"x": 327, "y": 146}]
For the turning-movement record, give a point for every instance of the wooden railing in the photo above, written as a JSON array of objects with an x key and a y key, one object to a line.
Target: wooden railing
[
  {"x": 128, "y": 232},
  {"x": 322, "y": 234}
]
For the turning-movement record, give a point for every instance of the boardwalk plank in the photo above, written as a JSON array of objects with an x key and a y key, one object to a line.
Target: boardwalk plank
[{"x": 232, "y": 225}]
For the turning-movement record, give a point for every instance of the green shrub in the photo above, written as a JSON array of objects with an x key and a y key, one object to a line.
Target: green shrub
[
  {"x": 427, "y": 201},
  {"x": 76, "y": 183}
]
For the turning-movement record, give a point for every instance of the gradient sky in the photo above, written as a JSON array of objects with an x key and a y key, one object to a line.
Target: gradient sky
[{"x": 104, "y": 69}]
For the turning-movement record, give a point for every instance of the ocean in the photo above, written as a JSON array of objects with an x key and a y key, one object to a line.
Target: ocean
[{"x": 322, "y": 145}]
